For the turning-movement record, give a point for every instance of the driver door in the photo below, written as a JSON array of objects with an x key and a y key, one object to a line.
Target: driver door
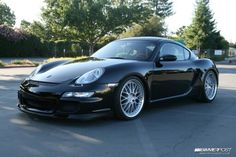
[{"x": 171, "y": 78}]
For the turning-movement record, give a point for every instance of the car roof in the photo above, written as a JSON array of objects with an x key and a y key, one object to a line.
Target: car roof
[
  {"x": 155, "y": 39},
  {"x": 149, "y": 38},
  {"x": 152, "y": 38}
]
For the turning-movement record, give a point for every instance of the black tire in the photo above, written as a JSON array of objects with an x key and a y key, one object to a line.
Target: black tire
[
  {"x": 118, "y": 109},
  {"x": 204, "y": 97}
]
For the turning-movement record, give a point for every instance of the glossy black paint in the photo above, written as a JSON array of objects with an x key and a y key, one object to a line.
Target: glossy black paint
[{"x": 162, "y": 79}]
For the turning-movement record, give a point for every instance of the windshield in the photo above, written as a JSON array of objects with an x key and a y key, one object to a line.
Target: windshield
[{"x": 127, "y": 49}]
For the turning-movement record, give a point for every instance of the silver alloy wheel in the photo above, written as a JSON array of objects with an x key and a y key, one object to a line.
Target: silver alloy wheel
[
  {"x": 210, "y": 85},
  {"x": 132, "y": 98}
]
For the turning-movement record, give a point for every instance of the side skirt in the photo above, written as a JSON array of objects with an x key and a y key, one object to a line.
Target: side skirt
[{"x": 172, "y": 97}]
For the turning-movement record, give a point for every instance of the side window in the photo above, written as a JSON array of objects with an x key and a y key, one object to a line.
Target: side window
[
  {"x": 173, "y": 49},
  {"x": 186, "y": 54}
]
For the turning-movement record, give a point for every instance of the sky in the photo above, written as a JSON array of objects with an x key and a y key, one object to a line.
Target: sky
[{"x": 223, "y": 10}]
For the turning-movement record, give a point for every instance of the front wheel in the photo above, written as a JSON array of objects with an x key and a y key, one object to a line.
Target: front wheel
[
  {"x": 130, "y": 98},
  {"x": 209, "y": 88}
]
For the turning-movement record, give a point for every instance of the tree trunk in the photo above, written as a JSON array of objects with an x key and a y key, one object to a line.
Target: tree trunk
[
  {"x": 91, "y": 48},
  {"x": 156, "y": 6},
  {"x": 199, "y": 50}
]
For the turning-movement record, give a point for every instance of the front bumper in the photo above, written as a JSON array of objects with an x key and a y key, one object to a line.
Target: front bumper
[{"x": 44, "y": 100}]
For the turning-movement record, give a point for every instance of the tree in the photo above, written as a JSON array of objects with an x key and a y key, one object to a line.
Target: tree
[
  {"x": 7, "y": 17},
  {"x": 91, "y": 20},
  {"x": 153, "y": 27},
  {"x": 25, "y": 25},
  {"x": 219, "y": 42},
  {"x": 202, "y": 32},
  {"x": 232, "y": 45},
  {"x": 37, "y": 29},
  {"x": 161, "y": 8},
  {"x": 180, "y": 32},
  {"x": 53, "y": 16},
  {"x": 10, "y": 34}
]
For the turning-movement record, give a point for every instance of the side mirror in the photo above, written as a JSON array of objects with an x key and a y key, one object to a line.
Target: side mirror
[{"x": 168, "y": 58}]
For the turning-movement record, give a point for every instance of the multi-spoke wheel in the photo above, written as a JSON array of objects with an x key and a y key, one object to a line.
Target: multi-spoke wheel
[
  {"x": 130, "y": 98},
  {"x": 210, "y": 87}
]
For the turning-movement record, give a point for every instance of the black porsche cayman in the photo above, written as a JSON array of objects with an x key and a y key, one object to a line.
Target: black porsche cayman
[{"x": 122, "y": 76}]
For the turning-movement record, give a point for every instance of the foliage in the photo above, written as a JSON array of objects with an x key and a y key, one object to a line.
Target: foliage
[
  {"x": 100, "y": 18},
  {"x": 161, "y": 8},
  {"x": 75, "y": 27},
  {"x": 220, "y": 42},
  {"x": 153, "y": 27},
  {"x": 180, "y": 31},
  {"x": 66, "y": 58},
  {"x": 210, "y": 53},
  {"x": 232, "y": 45},
  {"x": 22, "y": 62},
  {"x": 202, "y": 34},
  {"x": 89, "y": 21},
  {"x": 37, "y": 29},
  {"x": 17, "y": 43},
  {"x": 2, "y": 64},
  {"x": 53, "y": 16},
  {"x": 92, "y": 23},
  {"x": 218, "y": 58},
  {"x": 7, "y": 17},
  {"x": 11, "y": 34}
]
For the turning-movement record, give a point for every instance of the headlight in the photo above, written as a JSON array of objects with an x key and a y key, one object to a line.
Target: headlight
[
  {"x": 90, "y": 76},
  {"x": 35, "y": 71}
]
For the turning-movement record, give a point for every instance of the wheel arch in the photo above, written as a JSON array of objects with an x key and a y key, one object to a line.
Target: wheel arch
[
  {"x": 205, "y": 65},
  {"x": 144, "y": 82}
]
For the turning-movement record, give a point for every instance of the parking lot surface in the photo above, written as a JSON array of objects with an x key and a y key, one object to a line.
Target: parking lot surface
[{"x": 165, "y": 129}]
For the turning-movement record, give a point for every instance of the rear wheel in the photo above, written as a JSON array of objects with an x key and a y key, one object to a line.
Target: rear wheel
[
  {"x": 130, "y": 98},
  {"x": 209, "y": 88}
]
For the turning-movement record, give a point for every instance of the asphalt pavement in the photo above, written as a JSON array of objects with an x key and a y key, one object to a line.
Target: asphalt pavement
[{"x": 167, "y": 129}]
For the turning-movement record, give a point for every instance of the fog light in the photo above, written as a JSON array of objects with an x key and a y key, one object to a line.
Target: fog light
[
  {"x": 68, "y": 94},
  {"x": 83, "y": 94},
  {"x": 78, "y": 94}
]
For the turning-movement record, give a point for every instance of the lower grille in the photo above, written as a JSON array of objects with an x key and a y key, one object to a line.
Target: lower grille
[
  {"x": 30, "y": 101},
  {"x": 69, "y": 107},
  {"x": 41, "y": 105}
]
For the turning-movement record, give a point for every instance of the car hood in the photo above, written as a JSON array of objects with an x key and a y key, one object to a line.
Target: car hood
[{"x": 75, "y": 68}]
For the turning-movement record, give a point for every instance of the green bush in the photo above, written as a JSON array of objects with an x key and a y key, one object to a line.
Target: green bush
[
  {"x": 22, "y": 44},
  {"x": 66, "y": 58},
  {"x": 36, "y": 63},
  {"x": 22, "y": 62},
  {"x": 210, "y": 53},
  {"x": 218, "y": 58},
  {"x": 17, "y": 43},
  {"x": 2, "y": 64}
]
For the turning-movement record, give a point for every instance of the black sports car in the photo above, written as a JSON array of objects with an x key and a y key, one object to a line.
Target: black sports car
[{"x": 122, "y": 76}]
